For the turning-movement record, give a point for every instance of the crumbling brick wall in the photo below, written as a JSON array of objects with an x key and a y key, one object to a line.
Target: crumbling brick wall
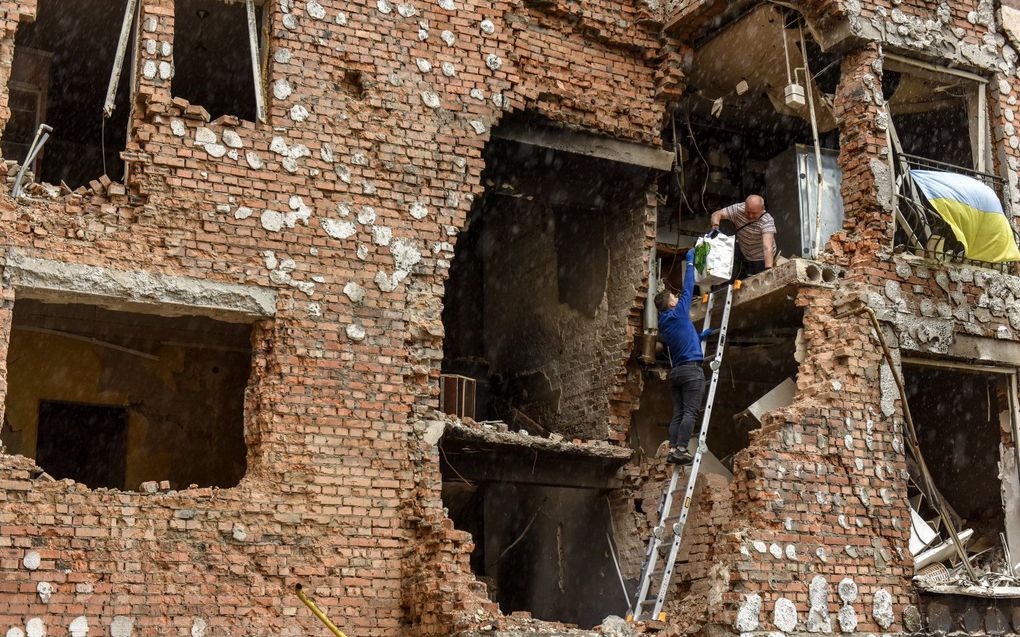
[{"x": 347, "y": 203}]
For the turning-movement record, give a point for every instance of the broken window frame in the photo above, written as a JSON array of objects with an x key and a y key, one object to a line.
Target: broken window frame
[{"x": 1013, "y": 398}]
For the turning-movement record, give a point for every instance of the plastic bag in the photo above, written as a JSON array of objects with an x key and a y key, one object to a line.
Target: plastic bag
[{"x": 713, "y": 259}]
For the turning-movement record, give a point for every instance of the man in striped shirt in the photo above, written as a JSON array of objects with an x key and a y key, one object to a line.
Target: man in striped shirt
[{"x": 756, "y": 233}]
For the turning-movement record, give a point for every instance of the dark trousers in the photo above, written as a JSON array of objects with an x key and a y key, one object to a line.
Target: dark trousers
[{"x": 687, "y": 384}]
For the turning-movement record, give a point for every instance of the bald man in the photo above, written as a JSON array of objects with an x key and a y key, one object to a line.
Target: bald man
[{"x": 756, "y": 233}]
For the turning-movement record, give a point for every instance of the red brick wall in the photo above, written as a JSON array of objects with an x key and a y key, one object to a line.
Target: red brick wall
[{"x": 338, "y": 495}]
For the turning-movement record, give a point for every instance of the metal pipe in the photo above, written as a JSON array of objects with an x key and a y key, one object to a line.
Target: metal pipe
[
  {"x": 118, "y": 60},
  {"x": 809, "y": 82},
  {"x": 318, "y": 613},
  {"x": 619, "y": 573},
  {"x": 650, "y": 332},
  {"x": 915, "y": 447},
  {"x": 41, "y": 136},
  {"x": 256, "y": 62}
]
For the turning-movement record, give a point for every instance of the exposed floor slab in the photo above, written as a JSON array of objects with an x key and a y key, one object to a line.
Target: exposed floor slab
[{"x": 143, "y": 292}]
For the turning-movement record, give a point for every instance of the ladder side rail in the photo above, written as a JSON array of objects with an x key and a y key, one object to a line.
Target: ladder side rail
[{"x": 654, "y": 543}]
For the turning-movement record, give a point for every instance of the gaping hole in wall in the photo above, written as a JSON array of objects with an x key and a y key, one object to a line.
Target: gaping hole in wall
[
  {"x": 115, "y": 399},
  {"x": 59, "y": 74},
  {"x": 541, "y": 525},
  {"x": 744, "y": 128},
  {"x": 212, "y": 56},
  {"x": 962, "y": 419},
  {"x": 534, "y": 272}
]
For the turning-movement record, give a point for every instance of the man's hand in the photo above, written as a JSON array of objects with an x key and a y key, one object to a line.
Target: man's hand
[
  {"x": 706, "y": 333},
  {"x": 690, "y": 256},
  {"x": 713, "y": 233}
]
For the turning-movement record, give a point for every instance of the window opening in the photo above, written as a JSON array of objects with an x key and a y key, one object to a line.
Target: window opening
[
  {"x": 218, "y": 57},
  {"x": 964, "y": 419},
  {"x": 57, "y": 60},
  {"x": 176, "y": 384}
]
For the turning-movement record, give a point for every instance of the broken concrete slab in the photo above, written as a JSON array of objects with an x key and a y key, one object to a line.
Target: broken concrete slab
[{"x": 142, "y": 292}]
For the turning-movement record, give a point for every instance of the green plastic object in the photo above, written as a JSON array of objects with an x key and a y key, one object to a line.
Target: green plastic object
[{"x": 701, "y": 256}]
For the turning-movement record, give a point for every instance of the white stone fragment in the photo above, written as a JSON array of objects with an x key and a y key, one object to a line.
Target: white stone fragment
[
  {"x": 423, "y": 65},
  {"x": 418, "y": 210},
  {"x": 477, "y": 126},
  {"x": 498, "y": 100},
  {"x": 493, "y": 61},
  {"x": 791, "y": 552},
  {"x": 14, "y": 631},
  {"x": 341, "y": 18},
  {"x": 122, "y": 626},
  {"x": 238, "y": 532},
  {"x": 178, "y": 127},
  {"x": 359, "y": 159},
  {"x": 343, "y": 209},
  {"x": 362, "y": 251},
  {"x": 326, "y": 153},
  {"x": 820, "y": 552},
  {"x": 315, "y": 10},
  {"x": 279, "y": 146},
  {"x": 847, "y": 619},
  {"x": 314, "y": 309},
  {"x": 405, "y": 255},
  {"x": 298, "y": 113},
  {"x": 449, "y": 70},
  {"x": 150, "y": 24},
  {"x": 242, "y": 212},
  {"x": 448, "y": 5},
  {"x": 282, "y": 89},
  {"x": 232, "y": 139},
  {"x": 354, "y": 292},
  {"x": 367, "y": 215},
  {"x": 198, "y": 627},
  {"x": 151, "y": 46},
  {"x": 166, "y": 70},
  {"x": 343, "y": 173},
  {"x": 423, "y": 34},
  {"x": 149, "y": 70},
  {"x": 477, "y": 94},
  {"x": 355, "y": 332},
  {"x": 216, "y": 150},
  {"x": 776, "y": 551},
  {"x": 448, "y": 37},
  {"x": 290, "y": 21},
  {"x": 784, "y": 615},
  {"x": 31, "y": 561},
  {"x": 79, "y": 627},
  {"x": 430, "y": 99},
  {"x": 488, "y": 28},
  {"x": 818, "y": 620},
  {"x": 747, "y": 615},
  {"x": 282, "y": 56},
  {"x": 382, "y": 235},
  {"x": 35, "y": 628},
  {"x": 253, "y": 159},
  {"x": 166, "y": 49},
  {"x": 847, "y": 590},
  {"x": 406, "y": 10},
  {"x": 270, "y": 258},
  {"x": 338, "y": 229},
  {"x": 45, "y": 591},
  {"x": 882, "y": 609},
  {"x": 384, "y": 6}
]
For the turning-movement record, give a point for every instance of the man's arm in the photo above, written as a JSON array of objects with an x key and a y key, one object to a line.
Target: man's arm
[
  {"x": 768, "y": 244},
  {"x": 683, "y": 304},
  {"x": 718, "y": 216}
]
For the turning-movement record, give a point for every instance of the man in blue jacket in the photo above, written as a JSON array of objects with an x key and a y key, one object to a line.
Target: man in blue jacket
[{"x": 686, "y": 378}]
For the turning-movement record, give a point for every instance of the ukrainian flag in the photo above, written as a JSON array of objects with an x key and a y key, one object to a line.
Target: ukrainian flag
[{"x": 973, "y": 212}]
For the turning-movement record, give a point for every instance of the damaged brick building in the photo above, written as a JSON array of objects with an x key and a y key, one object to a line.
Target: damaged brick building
[{"x": 350, "y": 295}]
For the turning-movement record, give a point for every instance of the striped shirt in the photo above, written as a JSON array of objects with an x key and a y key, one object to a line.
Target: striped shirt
[{"x": 749, "y": 233}]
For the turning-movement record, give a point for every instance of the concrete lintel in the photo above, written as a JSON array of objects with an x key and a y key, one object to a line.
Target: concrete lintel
[
  {"x": 986, "y": 350},
  {"x": 582, "y": 143},
  {"x": 139, "y": 291}
]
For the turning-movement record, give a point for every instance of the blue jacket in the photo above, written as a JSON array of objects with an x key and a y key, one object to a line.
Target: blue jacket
[{"x": 683, "y": 342}]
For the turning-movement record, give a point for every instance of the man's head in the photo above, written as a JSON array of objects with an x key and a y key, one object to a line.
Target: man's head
[
  {"x": 665, "y": 300},
  {"x": 754, "y": 207}
]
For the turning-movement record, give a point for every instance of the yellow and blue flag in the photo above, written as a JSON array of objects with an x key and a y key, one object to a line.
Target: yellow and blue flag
[{"x": 973, "y": 212}]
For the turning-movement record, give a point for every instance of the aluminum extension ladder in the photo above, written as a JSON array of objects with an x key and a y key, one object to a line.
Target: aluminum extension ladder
[{"x": 644, "y": 605}]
